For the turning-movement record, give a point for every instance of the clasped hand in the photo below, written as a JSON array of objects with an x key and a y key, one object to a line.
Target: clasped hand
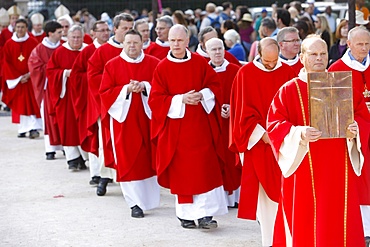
[
  {"x": 135, "y": 86},
  {"x": 192, "y": 98}
]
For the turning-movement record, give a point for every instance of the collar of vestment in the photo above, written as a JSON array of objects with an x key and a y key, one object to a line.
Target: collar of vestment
[
  {"x": 179, "y": 60},
  {"x": 139, "y": 59},
  {"x": 162, "y": 43},
  {"x": 258, "y": 64},
  {"x": 221, "y": 68},
  {"x": 354, "y": 64},
  {"x": 114, "y": 43},
  {"x": 37, "y": 34},
  {"x": 289, "y": 62},
  {"x": 146, "y": 44},
  {"x": 303, "y": 75},
  {"x": 10, "y": 28},
  {"x": 64, "y": 38},
  {"x": 96, "y": 43},
  {"x": 201, "y": 52},
  {"x": 66, "y": 45},
  {"x": 16, "y": 39},
  {"x": 46, "y": 42}
]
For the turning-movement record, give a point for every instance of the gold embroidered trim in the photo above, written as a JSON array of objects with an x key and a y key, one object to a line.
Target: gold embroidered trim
[{"x": 311, "y": 167}]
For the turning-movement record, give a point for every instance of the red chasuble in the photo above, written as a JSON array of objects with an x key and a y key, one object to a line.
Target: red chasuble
[
  {"x": 95, "y": 70},
  {"x": 157, "y": 51},
  {"x": 79, "y": 88},
  {"x": 132, "y": 136},
  {"x": 62, "y": 108},
  {"x": 20, "y": 99},
  {"x": 189, "y": 148},
  {"x": 39, "y": 38},
  {"x": 359, "y": 81},
  {"x": 337, "y": 221},
  {"x": 37, "y": 66},
  {"x": 251, "y": 96},
  {"x": 232, "y": 170}
]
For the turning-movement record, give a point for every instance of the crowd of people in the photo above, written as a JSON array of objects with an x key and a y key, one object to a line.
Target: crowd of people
[{"x": 212, "y": 105}]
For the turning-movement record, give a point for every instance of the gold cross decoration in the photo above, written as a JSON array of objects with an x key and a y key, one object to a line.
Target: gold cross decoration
[
  {"x": 21, "y": 58},
  {"x": 366, "y": 93}
]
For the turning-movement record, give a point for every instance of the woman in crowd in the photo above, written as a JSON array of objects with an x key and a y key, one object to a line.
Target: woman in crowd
[
  {"x": 232, "y": 40},
  {"x": 323, "y": 29},
  {"x": 340, "y": 46}
]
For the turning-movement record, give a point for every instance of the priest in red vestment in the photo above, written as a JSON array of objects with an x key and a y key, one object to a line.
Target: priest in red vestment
[
  {"x": 254, "y": 87},
  {"x": 95, "y": 67},
  {"x": 226, "y": 72},
  {"x": 186, "y": 129},
  {"x": 37, "y": 65},
  {"x": 290, "y": 46},
  {"x": 319, "y": 202},
  {"x": 160, "y": 47},
  {"x": 67, "y": 22},
  {"x": 37, "y": 21},
  {"x": 58, "y": 71},
  {"x": 142, "y": 26},
  {"x": 356, "y": 59},
  {"x": 80, "y": 93},
  {"x": 12, "y": 14},
  {"x": 209, "y": 33},
  {"x": 124, "y": 93},
  {"x": 18, "y": 90}
]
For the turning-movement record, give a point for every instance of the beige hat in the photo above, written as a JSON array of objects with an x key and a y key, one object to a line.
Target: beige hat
[
  {"x": 247, "y": 17},
  {"x": 61, "y": 11},
  {"x": 14, "y": 10},
  {"x": 37, "y": 18},
  {"x": 359, "y": 18},
  {"x": 4, "y": 17}
]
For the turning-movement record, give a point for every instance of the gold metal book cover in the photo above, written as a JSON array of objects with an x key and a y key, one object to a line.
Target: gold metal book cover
[{"x": 331, "y": 103}]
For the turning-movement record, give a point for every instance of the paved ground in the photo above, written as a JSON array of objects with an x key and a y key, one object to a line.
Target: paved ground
[{"x": 44, "y": 204}]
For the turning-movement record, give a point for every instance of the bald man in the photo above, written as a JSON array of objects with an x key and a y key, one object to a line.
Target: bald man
[
  {"x": 319, "y": 204},
  {"x": 250, "y": 99},
  {"x": 189, "y": 155}
]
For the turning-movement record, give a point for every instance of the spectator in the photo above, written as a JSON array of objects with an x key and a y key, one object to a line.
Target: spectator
[
  {"x": 212, "y": 18},
  {"x": 340, "y": 47},
  {"x": 323, "y": 29},
  {"x": 246, "y": 30},
  {"x": 232, "y": 40},
  {"x": 258, "y": 22}
]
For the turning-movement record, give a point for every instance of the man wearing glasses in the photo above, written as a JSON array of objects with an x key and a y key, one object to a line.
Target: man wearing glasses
[
  {"x": 79, "y": 86},
  {"x": 290, "y": 46},
  {"x": 160, "y": 48}
]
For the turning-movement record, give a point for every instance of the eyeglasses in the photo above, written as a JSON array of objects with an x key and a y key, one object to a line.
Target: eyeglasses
[
  {"x": 293, "y": 41},
  {"x": 103, "y": 30},
  {"x": 65, "y": 26}
]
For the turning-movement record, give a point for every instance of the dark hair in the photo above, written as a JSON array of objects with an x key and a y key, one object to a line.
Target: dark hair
[
  {"x": 95, "y": 25},
  {"x": 134, "y": 32},
  {"x": 269, "y": 23},
  {"x": 301, "y": 25},
  {"x": 21, "y": 21},
  {"x": 284, "y": 16},
  {"x": 51, "y": 26},
  {"x": 226, "y": 5}
]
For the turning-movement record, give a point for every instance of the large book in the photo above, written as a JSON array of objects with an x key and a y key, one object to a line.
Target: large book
[{"x": 331, "y": 103}]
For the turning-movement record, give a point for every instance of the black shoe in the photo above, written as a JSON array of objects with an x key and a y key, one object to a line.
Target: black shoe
[
  {"x": 207, "y": 223},
  {"x": 34, "y": 134},
  {"x": 187, "y": 224},
  {"x": 367, "y": 241},
  {"x": 236, "y": 205},
  {"x": 21, "y": 135},
  {"x": 73, "y": 164},
  {"x": 102, "y": 187},
  {"x": 137, "y": 212},
  {"x": 94, "y": 180},
  {"x": 6, "y": 108},
  {"x": 110, "y": 180},
  {"x": 50, "y": 156},
  {"x": 82, "y": 166}
]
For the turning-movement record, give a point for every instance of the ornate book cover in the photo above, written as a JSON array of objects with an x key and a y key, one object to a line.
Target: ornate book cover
[{"x": 331, "y": 103}]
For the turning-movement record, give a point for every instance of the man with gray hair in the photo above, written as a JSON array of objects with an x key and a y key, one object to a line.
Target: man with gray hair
[
  {"x": 356, "y": 59},
  {"x": 95, "y": 67},
  {"x": 206, "y": 34},
  {"x": 290, "y": 45},
  {"x": 142, "y": 26},
  {"x": 161, "y": 46},
  {"x": 58, "y": 72},
  {"x": 268, "y": 28},
  {"x": 251, "y": 97},
  {"x": 226, "y": 72}
]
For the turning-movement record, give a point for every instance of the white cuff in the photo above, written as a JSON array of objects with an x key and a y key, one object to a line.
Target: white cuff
[
  {"x": 120, "y": 107},
  {"x": 64, "y": 87},
  {"x": 208, "y": 101},
  {"x": 145, "y": 99},
  {"x": 177, "y": 108},
  {"x": 13, "y": 83},
  {"x": 255, "y": 136}
]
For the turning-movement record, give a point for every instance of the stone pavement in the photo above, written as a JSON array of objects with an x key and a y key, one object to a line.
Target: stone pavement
[{"x": 43, "y": 204}]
